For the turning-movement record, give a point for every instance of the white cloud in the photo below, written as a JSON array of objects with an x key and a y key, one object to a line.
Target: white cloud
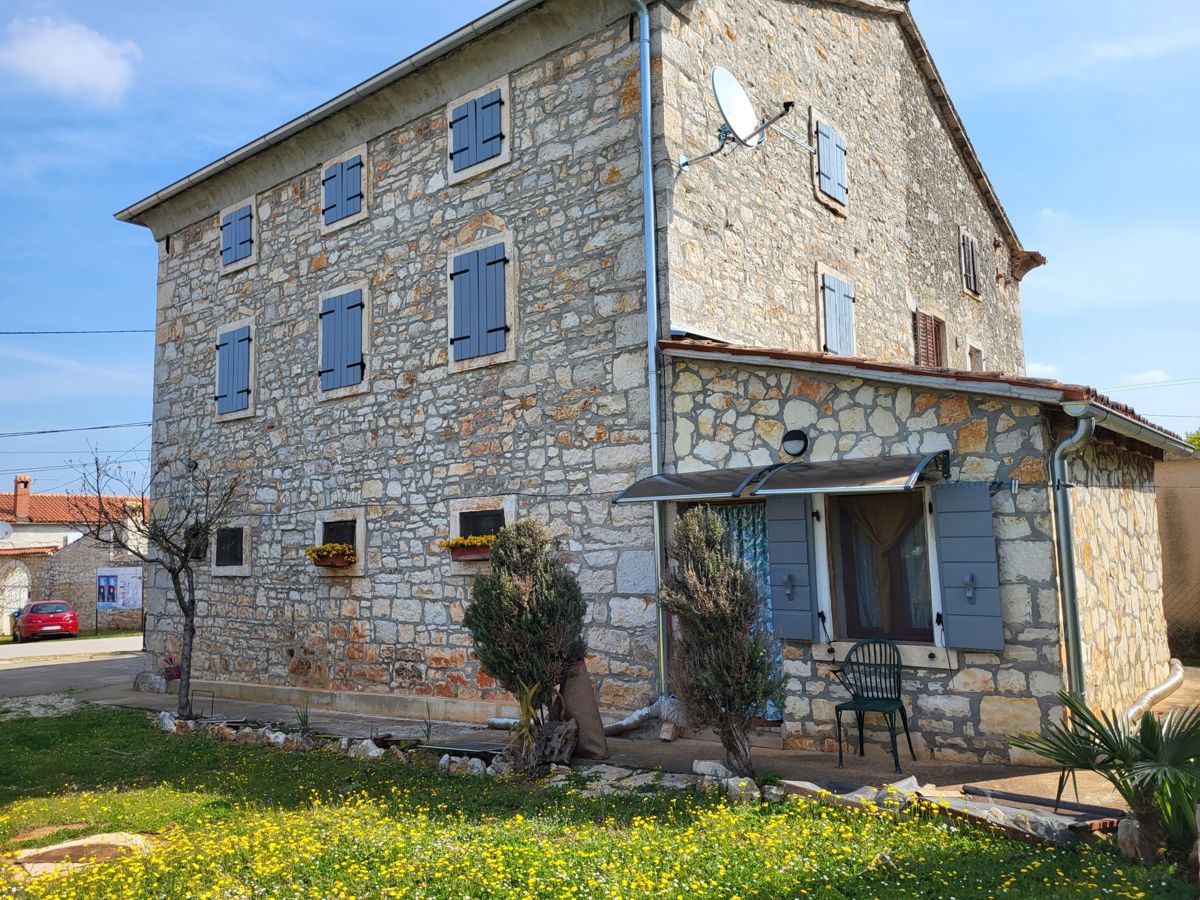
[
  {"x": 1041, "y": 370},
  {"x": 69, "y": 59},
  {"x": 1150, "y": 376},
  {"x": 1059, "y": 62},
  {"x": 38, "y": 378},
  {"x": 1049, "y": 214}
]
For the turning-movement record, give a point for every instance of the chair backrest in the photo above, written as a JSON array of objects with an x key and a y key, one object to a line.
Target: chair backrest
[{"x": 872, "y": 669}]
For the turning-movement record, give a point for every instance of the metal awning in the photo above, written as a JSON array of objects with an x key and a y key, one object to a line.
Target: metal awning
[
  {"x": 881, "y": 473},
  {"x": 848, "y": 476},
  {"x": 712, "y": 484}
]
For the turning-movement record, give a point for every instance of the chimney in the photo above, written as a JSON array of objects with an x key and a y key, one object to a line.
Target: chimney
[{"x": 21, "y": 497}]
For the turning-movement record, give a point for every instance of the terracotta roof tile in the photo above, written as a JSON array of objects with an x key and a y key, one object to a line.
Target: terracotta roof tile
[
  {"x": 62, "y": 508},
  {"x": 27, "y": 551}
]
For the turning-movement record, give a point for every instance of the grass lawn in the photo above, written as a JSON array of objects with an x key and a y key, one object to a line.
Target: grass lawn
[{"x": 236, "y": 821}]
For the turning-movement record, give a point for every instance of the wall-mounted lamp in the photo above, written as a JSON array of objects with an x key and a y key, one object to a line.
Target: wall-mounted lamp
[{"x": 795, "y": 442}]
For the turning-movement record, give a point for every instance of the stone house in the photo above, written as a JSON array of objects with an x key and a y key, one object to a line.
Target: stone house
[
  {"x": 47, "y": 557},
  {"x": 420, "y": 310}
]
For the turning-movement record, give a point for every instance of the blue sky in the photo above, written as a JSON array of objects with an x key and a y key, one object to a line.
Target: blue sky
[{"x": 1083, "y": 112}]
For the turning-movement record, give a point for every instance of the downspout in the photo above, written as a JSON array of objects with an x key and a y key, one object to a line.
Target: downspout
[
  {"x": 650, "y": 250},
  {"x": 1065, "y": 539}
]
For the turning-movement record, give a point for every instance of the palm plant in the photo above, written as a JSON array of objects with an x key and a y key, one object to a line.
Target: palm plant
[{"x": 1154, "y": 764}]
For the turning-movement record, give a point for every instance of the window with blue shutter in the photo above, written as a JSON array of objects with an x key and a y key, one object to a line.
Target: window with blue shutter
[
  {"x": 476, "y": 131},
  {"x": 479, "y": 312},
  {"x": 342, "y": 361},
  {"x": 233, "y": 370},
  {"x": 838, "y": 306},
  {"x": 831, "y": 163},
  {"x": 967, "y": 566},
  {"x": 342, "y": 185},
  {"x": 237, "y": 235}
]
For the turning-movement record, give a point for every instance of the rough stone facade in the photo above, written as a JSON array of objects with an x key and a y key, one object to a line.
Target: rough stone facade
[
  {"x": 1118, "y": 563},
  {"x": 560, "y": 430},
  {"x": 746, "y": 232},
  {"x": 728, "y": 415}
]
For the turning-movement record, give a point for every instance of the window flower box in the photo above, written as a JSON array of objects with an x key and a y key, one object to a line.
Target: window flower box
[
  {"x": 332, "y": 556},
  {"x": 473, "y": 548}
]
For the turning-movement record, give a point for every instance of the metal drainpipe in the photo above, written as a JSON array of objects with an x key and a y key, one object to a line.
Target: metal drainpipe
[
  {"x": 1065, "y": 539},
  {"x": 649, "y": 230}
]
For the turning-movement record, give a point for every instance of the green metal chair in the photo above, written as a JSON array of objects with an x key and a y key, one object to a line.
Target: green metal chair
[{"x": 871, "y": 673}]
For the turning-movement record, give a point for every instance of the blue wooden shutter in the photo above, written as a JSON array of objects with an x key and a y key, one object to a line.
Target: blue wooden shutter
[
  {"x": 225, "y": 352},
  {"x": 831, "y": 163},
  {"x": 351, "y": 187},
  {"x": 967, "y": 566},
  {"x": 462, "y": 136},
  {"x": 793, "y": 582},
  {"x": 239, "y": 383},
  {"x": 331, "y": 345},
  {"x": 354, "y": 366},
  {"x": 228, "y": 239},
  {"x": 838, "y": 303},
  {"x": 466, "y": 339},
  {"x": 331, "y": 183},
  {"x": 488, "y": 134},
  {"x": 494, "y": 265},
  {"x": 244, "y": 232}
]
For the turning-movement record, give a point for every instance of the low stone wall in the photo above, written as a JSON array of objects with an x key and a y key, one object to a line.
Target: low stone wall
[{"x": 964, "y": 705}]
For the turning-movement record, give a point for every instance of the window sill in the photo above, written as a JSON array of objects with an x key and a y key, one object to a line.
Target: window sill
[
  {"x": 973, "y": 295},
  {"x": 240, "y": 266},
  {"x": 360, "y": 216},
  {"x": 481, "y": 168},
  {"x": 912, "y": 656},
  {"x": 235, "y": 416},
  {"x": 350, "y": 390},
  {"x": 230, "y": 571},
  {"x": 832, "y": 204},
  {"x": 453, "y": 367}
]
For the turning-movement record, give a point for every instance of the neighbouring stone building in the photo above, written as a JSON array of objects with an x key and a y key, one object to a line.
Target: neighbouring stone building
[
  {"x": 47, "y": 557},
  {"x": 420, "y": 311}
]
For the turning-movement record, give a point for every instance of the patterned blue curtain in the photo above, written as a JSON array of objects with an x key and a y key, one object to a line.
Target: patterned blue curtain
[{"x": 746, "y": 528}]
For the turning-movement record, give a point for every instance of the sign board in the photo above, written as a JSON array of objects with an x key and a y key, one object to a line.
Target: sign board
[{"x": 119, "y": 588}]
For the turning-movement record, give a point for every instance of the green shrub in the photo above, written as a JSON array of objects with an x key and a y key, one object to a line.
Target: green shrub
[
  {"x": 723, "y": 665},
  {"x": 1155, "y": 767}
]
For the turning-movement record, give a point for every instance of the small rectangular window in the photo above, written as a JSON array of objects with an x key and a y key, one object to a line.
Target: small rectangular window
[
  {"x": 339, "y": 531},
  {"x": 478, "y": 292},
  {"x": 969, "y": 259},
  {"x": 342, "y": 360},
  {"x": 233, "y": 370},
  {"x": 479, "y": 522},
  {"x": 342, "y": 186},
  {"x": 230, "y": 545},
  {"x": 831, "y": 163},
  {"x": 929, "y": 340},
  {"x": 237, "y": 235}
]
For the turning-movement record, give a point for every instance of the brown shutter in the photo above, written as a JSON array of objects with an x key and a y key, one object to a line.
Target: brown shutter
[{"x": 924, "y": 339}]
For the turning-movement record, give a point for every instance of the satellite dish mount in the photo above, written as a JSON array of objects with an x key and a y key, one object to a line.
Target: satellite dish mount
[{"x": 742, "y": 125}]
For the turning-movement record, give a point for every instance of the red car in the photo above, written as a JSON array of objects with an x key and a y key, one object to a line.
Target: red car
[{"x": 45, "y": 619}]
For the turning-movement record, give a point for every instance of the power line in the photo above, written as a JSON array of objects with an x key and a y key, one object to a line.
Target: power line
[
  {"x": 1149, "y": 384},
  {"x": 96, "y": 331},
  {"x": 64, "y": 430},
  {"x": 29, "y": 470}
]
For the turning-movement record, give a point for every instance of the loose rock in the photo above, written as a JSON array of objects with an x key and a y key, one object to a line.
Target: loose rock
[
  {"x": 476, "y": 766},
  {"x": 166, "y": 722},
  {"x": 366, "y": 750},
  {"x": 742, "y": 790},
  {"x": 711, "y": 768}
]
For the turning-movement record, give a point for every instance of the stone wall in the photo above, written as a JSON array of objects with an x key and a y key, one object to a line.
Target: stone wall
[
  {"x": 745, "y": 232},
  {"x": 560, "y": 430},
  {"x": 730, "y": 415},
  {"x": 1118, "y": 564},
  {"x": 71, "y": 576}
]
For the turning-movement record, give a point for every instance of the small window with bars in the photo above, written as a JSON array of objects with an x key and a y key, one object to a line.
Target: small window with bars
[
  {"x": 231, "y": 544},
  {"x": 929, "y": 340},
  {"x": 340, "y": 531},
  {"x": 480, "y": 522}
]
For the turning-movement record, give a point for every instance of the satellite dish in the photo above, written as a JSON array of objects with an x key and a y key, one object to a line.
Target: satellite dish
[
  {"x": 739, "y": 114},
  {"x": 6, "y": 530},
  {"x": 742, "y": 121}
]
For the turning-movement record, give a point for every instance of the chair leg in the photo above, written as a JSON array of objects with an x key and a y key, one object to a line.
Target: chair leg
[
  {"x": 891, "y": 723},
  {"x": 838, "y": 715},
  {"x": 860, "y": 716},
  {"x": 907, "y": 736}
]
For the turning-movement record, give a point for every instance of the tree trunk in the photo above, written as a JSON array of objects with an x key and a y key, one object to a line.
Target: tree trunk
[
  {"x": 187, "y": 605},
  {"x": 736, "y": 742}
]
